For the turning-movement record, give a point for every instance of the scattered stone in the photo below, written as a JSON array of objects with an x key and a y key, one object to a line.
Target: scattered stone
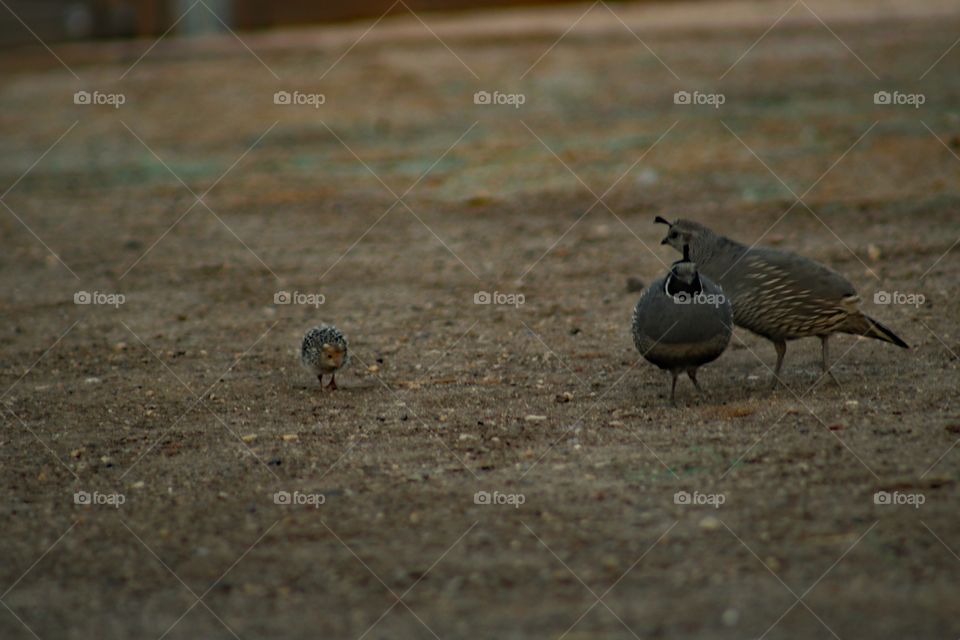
[
  {"x": 535, "y": 418},
  {"x": 250, "y": 437},
  {"x": 289, "y": 437},
  {"x": 710, "y": 523}
]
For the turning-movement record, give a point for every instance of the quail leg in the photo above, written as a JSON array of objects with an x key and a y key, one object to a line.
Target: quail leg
[
  {"x": 333, "y": 382},
  {"x": 824, "y": 366},
  {"x": 320, "y": 378},
  {"x": 781, "y": 347},
  {"x": 673, "y": 389}
]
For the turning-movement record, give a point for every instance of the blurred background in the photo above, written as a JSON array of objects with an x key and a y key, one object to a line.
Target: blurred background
[{"x": 59, "y": 20}]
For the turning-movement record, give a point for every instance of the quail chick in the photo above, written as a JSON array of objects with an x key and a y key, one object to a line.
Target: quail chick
[
  {"x": 324, "y": 351},
  {"x": 682, "y": 322},
  {"x": 777, "y": 294}
]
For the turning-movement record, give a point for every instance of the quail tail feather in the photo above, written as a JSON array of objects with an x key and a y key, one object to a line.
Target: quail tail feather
[{"x": 863, "y": 325}]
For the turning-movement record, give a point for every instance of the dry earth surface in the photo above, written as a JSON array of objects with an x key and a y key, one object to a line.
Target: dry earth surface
[{"x": 399, "y": 199}]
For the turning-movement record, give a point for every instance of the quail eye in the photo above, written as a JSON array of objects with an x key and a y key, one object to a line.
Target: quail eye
[{"x": 674, "y": 234}]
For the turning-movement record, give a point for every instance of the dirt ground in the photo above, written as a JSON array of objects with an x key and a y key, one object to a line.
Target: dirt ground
[{"x": 177, "y": 418}]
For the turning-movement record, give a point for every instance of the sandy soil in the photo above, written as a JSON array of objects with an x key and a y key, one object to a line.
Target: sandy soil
[{"x": 186, "y": 402}]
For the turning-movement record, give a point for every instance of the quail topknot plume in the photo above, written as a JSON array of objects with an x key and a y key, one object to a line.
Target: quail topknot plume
[
  {"x": 324, "y": 351},
  {"x": 682, "y": 321},
  {"x": 777, "y": 294}
]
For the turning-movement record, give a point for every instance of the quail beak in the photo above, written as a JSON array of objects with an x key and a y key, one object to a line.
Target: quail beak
[{"x": 662, "y": 220}]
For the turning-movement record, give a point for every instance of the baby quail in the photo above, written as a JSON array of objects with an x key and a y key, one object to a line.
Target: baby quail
[
  {"x": 682, "y": 321},
  {"x": 324, "y": 351},
  {"x": 777, "y": 294}
]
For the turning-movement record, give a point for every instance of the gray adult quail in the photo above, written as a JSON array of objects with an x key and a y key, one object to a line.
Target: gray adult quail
[
  {"x": 682, "y": 322},
  {"x": 324, "y": 351},
  {"x": 777, "y": 294}
]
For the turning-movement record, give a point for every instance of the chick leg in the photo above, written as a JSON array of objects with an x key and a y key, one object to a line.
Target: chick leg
[{"x": 333, "y": 382}]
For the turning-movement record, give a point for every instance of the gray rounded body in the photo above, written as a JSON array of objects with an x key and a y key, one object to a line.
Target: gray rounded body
[{"x": 681, "y": 333}]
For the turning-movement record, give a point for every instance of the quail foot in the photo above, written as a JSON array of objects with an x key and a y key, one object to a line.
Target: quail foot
[
  {"x": 324, "y": 352},
  {"x": 777, "y": 294},
  {"x": 682, "y": 322}
]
